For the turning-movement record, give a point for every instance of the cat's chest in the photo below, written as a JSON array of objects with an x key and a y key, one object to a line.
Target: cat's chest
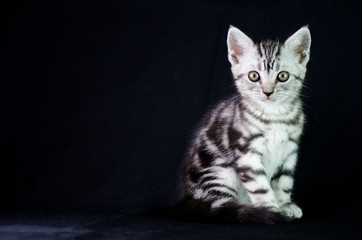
[{"x": 276, "y": 147}]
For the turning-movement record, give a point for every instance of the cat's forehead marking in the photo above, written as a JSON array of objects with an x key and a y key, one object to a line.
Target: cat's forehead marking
[{"x": 268, "y": 51}]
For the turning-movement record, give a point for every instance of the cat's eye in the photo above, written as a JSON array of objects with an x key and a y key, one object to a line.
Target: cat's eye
[
  {"x": 254, "y": 76},
  {"x": 283, "y": 76}
]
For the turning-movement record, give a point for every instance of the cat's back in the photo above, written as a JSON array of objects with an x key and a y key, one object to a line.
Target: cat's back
[
  {"x": 211, "y": 140},
  {"x": 210, "y": 146},
  {"x": 218, "y": 118}
]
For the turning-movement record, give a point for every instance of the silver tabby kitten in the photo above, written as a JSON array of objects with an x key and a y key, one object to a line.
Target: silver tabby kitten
[{"x": 241, "y": 163}]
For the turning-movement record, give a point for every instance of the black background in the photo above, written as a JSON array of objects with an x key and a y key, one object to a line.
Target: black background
[{"x": 100, "y": 98}]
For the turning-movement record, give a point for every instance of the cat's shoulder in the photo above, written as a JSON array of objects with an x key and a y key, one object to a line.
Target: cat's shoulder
[
  {"x": 227, "y": 104},
  {"x": 222, "y": 109}
]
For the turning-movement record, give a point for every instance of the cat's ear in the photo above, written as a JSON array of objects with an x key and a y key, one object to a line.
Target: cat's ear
[
  {"x": 299, "y": 44},
  {"x": 238, "y": 44}
]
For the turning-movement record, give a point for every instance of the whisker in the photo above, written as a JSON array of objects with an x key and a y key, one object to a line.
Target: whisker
[
  {"x": 304, "y": 104},
  {"x": 303, "y": 95},
  {"x": 291, "y": 97},
  {"x": 306, "y": 87}
]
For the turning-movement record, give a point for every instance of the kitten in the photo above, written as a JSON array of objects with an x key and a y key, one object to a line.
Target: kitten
[{"x": 242, "y": 160}]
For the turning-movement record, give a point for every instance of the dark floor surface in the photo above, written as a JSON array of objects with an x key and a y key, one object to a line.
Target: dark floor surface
[{"x": 81, "y": 225}]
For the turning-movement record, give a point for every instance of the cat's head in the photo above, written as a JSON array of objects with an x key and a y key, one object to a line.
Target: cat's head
[{"x": 269, "y": 71}]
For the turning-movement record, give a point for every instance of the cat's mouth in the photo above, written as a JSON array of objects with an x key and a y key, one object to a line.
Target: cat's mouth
[{"x": 269, "y": 99}]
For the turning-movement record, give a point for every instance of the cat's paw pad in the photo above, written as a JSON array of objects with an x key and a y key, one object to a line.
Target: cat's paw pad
[{"x": 291, "y": 211}]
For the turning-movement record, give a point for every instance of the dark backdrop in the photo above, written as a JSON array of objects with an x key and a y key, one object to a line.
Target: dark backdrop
[{"x": 100, "y": 98}]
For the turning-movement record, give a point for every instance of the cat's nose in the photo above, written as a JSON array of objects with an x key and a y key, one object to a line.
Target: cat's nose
[{"x": 268, "y": 93}]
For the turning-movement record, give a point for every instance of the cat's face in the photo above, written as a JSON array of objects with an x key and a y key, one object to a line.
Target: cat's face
[{"x": 269, "y": 72}]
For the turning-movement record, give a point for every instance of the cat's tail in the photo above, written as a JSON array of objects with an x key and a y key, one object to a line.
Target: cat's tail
[{"x": 198, "y": 210}]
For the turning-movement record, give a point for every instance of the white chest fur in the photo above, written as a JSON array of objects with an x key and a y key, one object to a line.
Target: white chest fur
[{"x": 276, "y": 147}]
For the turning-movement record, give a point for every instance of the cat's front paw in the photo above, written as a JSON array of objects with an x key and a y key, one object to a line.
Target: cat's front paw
[{"x": 291, "y": 211}]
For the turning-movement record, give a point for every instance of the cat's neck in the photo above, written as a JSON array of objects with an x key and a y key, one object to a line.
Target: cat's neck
[{"x": 270, "y": 108}]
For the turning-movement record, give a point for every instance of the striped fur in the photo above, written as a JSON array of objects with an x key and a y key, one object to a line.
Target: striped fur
[{"x": 243, "y": 157}]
